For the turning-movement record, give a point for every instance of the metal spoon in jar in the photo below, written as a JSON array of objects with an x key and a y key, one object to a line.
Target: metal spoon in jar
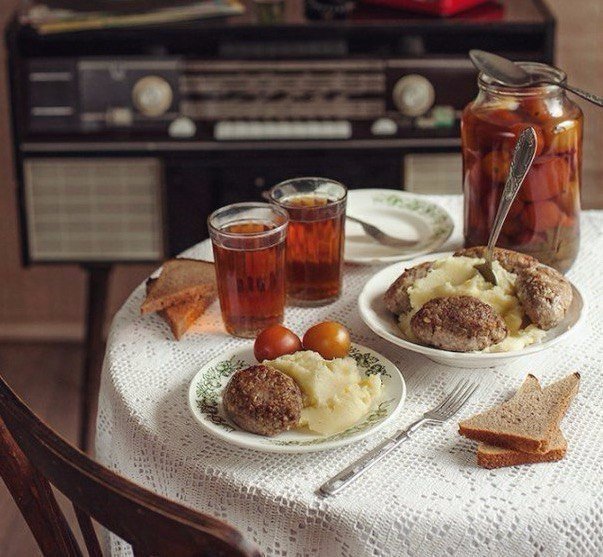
[
  {"x": 523, "y": 156},
  {"x": 508, "y": 73}
]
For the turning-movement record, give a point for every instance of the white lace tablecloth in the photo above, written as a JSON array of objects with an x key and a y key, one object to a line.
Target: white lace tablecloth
[{"x": 427, "y": 498}]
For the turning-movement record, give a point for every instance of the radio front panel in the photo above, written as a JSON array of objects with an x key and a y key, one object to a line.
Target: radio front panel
[{"x": 221, "y": 101}]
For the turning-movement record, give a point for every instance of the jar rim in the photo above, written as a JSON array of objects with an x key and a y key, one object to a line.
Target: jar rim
[{"x": 538, "y": 70}]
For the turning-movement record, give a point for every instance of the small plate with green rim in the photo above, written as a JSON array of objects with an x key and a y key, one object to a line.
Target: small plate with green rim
[
  {"x": 401, "y": 214},
  {"x": 205, "y": 401}
]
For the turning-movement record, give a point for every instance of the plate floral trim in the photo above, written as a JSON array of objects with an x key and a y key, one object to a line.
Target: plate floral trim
[
  {"x": 209, "y": 388},
  {"x": 442, "y": 225},
  {"x": 368, "y": 362}
]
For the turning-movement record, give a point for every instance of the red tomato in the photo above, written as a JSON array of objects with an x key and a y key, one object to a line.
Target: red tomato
[
  {"x": 495, "y": 165},
  {"x": 542, "y": 215},
  {"x": 275, "y": 341},
  {"x": 330, "y": 339},
  {"x": 545, "y": 180}
]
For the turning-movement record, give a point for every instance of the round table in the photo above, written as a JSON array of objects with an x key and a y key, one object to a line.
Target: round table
[{"x": 427, "y": 498}]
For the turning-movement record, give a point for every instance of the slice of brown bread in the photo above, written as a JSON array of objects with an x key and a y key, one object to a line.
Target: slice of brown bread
[
  {"x": 181, "y": 280},
  {"x": 181, "y": 317},
  {"x": 489, "y": 456},
  {"x": 526, "y": 422}
]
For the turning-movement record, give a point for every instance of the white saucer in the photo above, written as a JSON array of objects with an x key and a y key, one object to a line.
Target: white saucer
[
  {"x": 384, "y": 323},
  {"x": 405, "y": 215},
  {"x": 205, "y": 401}
]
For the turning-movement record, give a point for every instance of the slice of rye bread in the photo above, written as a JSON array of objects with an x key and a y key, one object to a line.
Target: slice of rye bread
[
  {"x": 180, "y": 317},
  {"x": 526, "y": 422},
  {"x": 489, "y": 456},
  {"x": 181, "y": 280}
]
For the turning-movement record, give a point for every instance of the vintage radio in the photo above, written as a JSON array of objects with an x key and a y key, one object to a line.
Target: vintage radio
[{"x": 127, "y": 139}]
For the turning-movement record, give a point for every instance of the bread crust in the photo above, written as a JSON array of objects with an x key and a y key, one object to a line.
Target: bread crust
[
  {"x": 181, "y": 317},
  {"x": 185, "y": 294},
  {"x": 493, "y": 457},
  {"x": 480, "y": 431}
]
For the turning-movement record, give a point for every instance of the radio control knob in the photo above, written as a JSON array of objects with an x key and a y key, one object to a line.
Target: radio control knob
[
  {"x": 413, "y": 95},
  {"x": 152, "y": 95}
]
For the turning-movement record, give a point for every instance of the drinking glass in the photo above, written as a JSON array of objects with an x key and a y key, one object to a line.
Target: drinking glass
[
  {"x": 248, "y": 241},
  {"x": 315, "y": 238}
]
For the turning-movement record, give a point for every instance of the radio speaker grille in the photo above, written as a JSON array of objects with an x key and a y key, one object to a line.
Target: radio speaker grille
[
  {"x": 434, "y": 173},
  {"x": 94, "y": 209}
]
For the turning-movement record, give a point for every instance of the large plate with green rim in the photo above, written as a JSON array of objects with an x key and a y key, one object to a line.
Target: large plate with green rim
[
  {"x": 402, "y": 214},
  {"x": 205, "y": 401}
]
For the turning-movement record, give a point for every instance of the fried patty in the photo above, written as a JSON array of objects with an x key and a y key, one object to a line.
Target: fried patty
[
  {"x": 263, "y": 400},
  {"x": 396, "y": 297},
  {"x": 458, "y": 323},
  {"x": 511, "y": 261},
  {"x": 545, "y": 295}
]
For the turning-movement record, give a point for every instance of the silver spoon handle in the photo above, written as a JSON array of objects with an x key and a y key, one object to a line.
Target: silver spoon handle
[
  {"x": 595, "y": 99},
  {"x": 523, "y": 156}
]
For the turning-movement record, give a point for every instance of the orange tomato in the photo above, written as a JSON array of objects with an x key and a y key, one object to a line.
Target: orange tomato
[
  {"x": 545, "y": 180},
  {"x": 330, "y": 339},
  {"x": 567, "y": 221},
  {"x": 535, "y": 109},
  {"x": 495, "y": 165},
  {"x": 275, "y": 341},
  {"x": 542, "y": 215},
  {"x": 569, "y": 199}
]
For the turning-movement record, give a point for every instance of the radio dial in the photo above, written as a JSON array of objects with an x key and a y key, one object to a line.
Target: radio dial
[
  {"x": 152, "y": 95},
  {"x": 413, "y": 95}
]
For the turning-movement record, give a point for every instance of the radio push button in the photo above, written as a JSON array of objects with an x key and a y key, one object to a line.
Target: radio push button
[
  {"x": 384, "y": 126},
  {"x": 182, "y": 127},
  {"x": 119, "y": 117},
  {"x": 265, "y": 130},
  {"x": 152, "y": 95},
  {"x": 413, "y": 95}
]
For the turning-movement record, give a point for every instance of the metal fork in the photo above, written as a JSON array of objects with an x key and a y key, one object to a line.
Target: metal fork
[
  {"x": 382, "y": 237},
  {"x": 438, "y": 415}
]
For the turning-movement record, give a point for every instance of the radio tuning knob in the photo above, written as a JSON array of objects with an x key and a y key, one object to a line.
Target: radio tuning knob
[
  {"x": 413, "y": 95},
  {"x": 152, "y": 95}
]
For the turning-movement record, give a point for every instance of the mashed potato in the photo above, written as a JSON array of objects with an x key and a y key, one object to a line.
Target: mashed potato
[
  {"x": 457, "y": 276},
  {"x": 335, "y": 394}
]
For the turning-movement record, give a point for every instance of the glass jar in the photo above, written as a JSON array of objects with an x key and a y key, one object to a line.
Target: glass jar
[{"x": 544, "y": 218}]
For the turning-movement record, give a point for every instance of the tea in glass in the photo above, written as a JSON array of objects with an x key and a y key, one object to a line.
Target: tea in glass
[
  {"x": 248, "y": 241},
  {"x": 315, "y": 238}
]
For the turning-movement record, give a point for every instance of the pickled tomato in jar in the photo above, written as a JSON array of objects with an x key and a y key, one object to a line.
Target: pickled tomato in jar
[{"x": 544, "y": 218}]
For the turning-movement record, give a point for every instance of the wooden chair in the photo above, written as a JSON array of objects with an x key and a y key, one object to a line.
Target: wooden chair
[{"x": 33, "y": 457}]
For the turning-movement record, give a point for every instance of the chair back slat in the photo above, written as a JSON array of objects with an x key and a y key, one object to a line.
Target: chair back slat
[
  {"x": 150, "y": 523},
  {"x": 88, "y": 533},
  {"x": 35, "y": 499}
]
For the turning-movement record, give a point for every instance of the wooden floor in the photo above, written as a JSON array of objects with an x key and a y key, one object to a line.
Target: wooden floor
[{"x": 46, "y": 376}]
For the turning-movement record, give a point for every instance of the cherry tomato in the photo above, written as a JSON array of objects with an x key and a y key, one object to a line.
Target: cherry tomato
[
  {"x": 330, "y": 339},
  {"x": 275, "y": 341},
  {"x": 495, "y": 165},
  {"x": 542, "y": 215}
]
